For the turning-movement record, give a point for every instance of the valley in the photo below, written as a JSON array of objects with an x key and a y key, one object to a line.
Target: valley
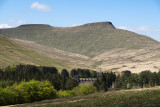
[{"x": 84, "y": 53}]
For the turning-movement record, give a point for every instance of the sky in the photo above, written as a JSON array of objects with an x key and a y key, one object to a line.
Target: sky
[{"x": 140, "y": 16}]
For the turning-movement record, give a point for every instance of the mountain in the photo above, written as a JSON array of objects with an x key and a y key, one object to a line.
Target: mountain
[
  {"x": 103, "y": 44},
  {"x": 12, "y": 53},
  {"x": 89, "y": 39}
]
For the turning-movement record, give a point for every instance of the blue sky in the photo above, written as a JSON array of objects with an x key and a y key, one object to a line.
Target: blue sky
[{"x": 141, "y": 16}]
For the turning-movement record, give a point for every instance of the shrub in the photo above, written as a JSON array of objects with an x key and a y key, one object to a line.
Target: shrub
[
  {"x": 66, "y": 93},
  {"x": 4, "y": 84},
  {"x": 35, "y": 90},
  {"x": 7, "y": 97},
  {"x": 87, "y": 89},
  {"x": 27, "y": 92}
]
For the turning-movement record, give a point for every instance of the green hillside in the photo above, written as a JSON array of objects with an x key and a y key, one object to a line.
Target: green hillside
[
  {"x": 89, "y": 39},
  {"x": 12, "y": 54}
]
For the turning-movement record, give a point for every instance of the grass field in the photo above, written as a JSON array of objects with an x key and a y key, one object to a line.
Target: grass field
[{"x": 149, "y": 97}]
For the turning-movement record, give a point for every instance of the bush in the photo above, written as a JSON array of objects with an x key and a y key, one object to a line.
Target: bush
[
  {"x": 87, "y": 89},
  {"x": 35, "y": 90},
  {"x": 66, "y": 93},
  {"x": 4, "y": 84},
  {"x": 7, "y": 97},
  {"x": 27, "y": 92}
]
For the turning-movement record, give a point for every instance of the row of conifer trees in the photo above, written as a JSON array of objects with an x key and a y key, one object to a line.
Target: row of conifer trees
[
  {"x": 60, "y": 80},
  {"x": 127, "y": 80},
  {"x": 66, "y": 81}
]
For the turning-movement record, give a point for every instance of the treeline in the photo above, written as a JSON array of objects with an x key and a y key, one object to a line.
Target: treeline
[
  {"x": 65, "y": 81},
  {"x": 18, "y": 73},
  {"x": 127, "y": 80},
  {"x": 144, "y": 79},
  {"x": 105, "y": 81},
  {"x": 60, "y": 80},
  {"x": 83, "y": 73}
]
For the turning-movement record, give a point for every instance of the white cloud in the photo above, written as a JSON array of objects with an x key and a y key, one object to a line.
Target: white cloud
[
  {"x": 73, "y": 25},
  {"x": 140, "y": 28},
  {"x": 17, "y": 22},
  {"x": 144, "y": 28},
  {"x": 40, "y": 7},
  {"x": 123, "y": 27},
  {"x": 148, "y": 28},
  {"x": 4, "y": 26}
]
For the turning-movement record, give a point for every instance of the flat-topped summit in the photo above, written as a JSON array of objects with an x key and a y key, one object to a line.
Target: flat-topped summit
[
  {"x": 100, "y": 24},
  {"x": 35, "y": 26},
  {"x": 45, "y": 26}
]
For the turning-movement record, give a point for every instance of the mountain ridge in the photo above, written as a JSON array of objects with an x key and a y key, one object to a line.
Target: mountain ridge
[
  {"x": 107, "y": 23},
  {"x": 88, "y": 39}
]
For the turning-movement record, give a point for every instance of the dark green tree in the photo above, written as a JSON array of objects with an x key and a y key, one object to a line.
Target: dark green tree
[
  {"x": 118, "y": 82},
  {"x": 65, "y": 73},
  {"x": 103, "y": 83},
  {"x": 126, "y": 73},
  {"x": 145, "y": 78},
  {"x": 97, "y": 84},
  {"x": 71, "y": 83}
]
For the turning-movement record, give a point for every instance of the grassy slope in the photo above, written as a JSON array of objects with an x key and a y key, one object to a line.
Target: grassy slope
[
  {"x": 12, "y": 53},
  {"x": 89, "y": 39},
  {"x": 63, "y": 56},
  {"x": 130, "y": 98}
]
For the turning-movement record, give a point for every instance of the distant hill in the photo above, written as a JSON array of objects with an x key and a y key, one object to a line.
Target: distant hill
[
  {"x": 104, "y": 45},
  {"x": 12, "y": 53}
]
